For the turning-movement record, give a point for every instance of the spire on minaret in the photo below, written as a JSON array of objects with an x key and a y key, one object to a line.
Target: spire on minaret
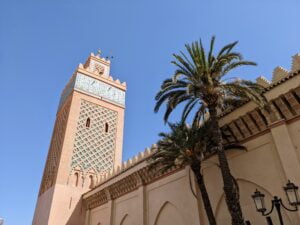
[{"x": 97, "y": 65}]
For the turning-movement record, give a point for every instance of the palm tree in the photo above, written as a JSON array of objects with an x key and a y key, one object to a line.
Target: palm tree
[
  {"x": 199, "y": 82},
  {"x": 188, "y": 145},
  {"x": 184, "y": 145}
]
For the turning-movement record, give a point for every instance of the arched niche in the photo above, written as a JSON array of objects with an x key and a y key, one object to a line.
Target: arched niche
[
  {"x": 169, "y": 215},
  {"x": 90, "y": 179},
  {"x": 247, "y": 188},
  {"x": 76, "y": 177},
  {"x": 126, "y": 220}
]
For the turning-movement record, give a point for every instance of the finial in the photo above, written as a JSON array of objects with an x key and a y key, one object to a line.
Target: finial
[{"x": 99, "y": 52}]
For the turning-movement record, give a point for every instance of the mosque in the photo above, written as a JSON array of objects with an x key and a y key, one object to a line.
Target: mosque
[{"x": 85, "y": 181}]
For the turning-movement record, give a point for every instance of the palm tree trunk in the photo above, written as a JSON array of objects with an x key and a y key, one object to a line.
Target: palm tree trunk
[
  {"x": 205, "y": 198},
  {"x": 230, "y": 186}
]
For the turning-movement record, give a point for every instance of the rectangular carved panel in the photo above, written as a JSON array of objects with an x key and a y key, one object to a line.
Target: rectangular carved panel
[
  {"x": 293, "y": 102},
  {"x": 239, "y": 122},
  {"x": 259, "y": 120},
  {"x": 252, "y": 126},
  {"x": 235, "y": 131},
  {"x": 283, "y": 108},
  {"x": 94, "y": 144}
]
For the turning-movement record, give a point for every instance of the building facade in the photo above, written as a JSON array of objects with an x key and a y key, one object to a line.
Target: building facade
[{"x": 85, "y": 182}]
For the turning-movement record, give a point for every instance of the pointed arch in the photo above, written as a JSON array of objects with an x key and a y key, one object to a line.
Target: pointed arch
[
  {"x": 90, "y": 178},
  {"x": 75, "y": 178},
  {"x": 126, "y": 220},
  {"x": 169, "y": 214},
  {"x": 91, "y": 181},
  {"x": 247, "y": 188}
]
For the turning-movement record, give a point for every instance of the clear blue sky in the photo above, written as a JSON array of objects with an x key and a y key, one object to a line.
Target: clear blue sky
[{"x": 41, "y": 43}]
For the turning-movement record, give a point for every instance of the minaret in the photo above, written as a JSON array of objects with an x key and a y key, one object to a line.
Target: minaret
[{"x": 86, "y": 142}]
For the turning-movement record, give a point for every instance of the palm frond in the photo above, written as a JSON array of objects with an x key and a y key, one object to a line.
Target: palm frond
[
  {"x": 200, "y": 76},
  {"x": 227, "y": 48}
]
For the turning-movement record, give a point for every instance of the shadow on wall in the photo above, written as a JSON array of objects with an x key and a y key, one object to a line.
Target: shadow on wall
[
  {"x": 246, "y": 190},
  {"x": 78, "y": 215}
]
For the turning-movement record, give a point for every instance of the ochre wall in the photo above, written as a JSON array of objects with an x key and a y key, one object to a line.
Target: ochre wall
[
  {"x": 169, "y": 200},
  {"x": 166, "y": 201}
]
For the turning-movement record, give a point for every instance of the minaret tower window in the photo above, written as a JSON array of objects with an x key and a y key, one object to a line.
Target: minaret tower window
[
  {"x": 106, "y": 127},
  {"x": 88, "y": 122}
]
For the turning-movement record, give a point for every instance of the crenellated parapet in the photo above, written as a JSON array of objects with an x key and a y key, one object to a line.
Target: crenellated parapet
[
  {"x": 81, "y": 178},
  {"x": 93, "y": 78},
  {"x": 100, "y": 68},
  {"x": 126, "y": 165},
  {"x": 296, "y": 63},
  {"x": 262, "y": 81},
  {"x": 280, "y": 74}
]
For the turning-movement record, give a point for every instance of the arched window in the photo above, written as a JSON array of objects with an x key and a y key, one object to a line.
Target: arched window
[
  {"x": 106, "y": 127},
  {"x": 88, "y": 122},
  {"x": 76, "y": 179},
  {"x": 91, "y": 181}
]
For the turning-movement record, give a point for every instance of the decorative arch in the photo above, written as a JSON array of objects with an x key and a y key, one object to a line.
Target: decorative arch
[
  {"x": 76, "y": 177},
  {"x": 247, "y": 188},
  {"x": 90, "y": 178},
  {"x": 91, "y": 181},
  {"x": 126, "y": 220},
  {"x": 169, "y": 214},
  {"x": 240, "y": 180}
]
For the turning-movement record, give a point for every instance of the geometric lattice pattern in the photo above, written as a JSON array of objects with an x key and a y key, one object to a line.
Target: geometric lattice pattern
[
  {"x": 94, "y": 145},
  {"x": 54, "y": 153}
]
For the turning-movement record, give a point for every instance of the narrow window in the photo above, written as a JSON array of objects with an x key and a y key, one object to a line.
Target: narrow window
[
  {"x": 76, "y": 179},
  {"x": 106, "y": 127},
  {"x": 88, "y": 122}
]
